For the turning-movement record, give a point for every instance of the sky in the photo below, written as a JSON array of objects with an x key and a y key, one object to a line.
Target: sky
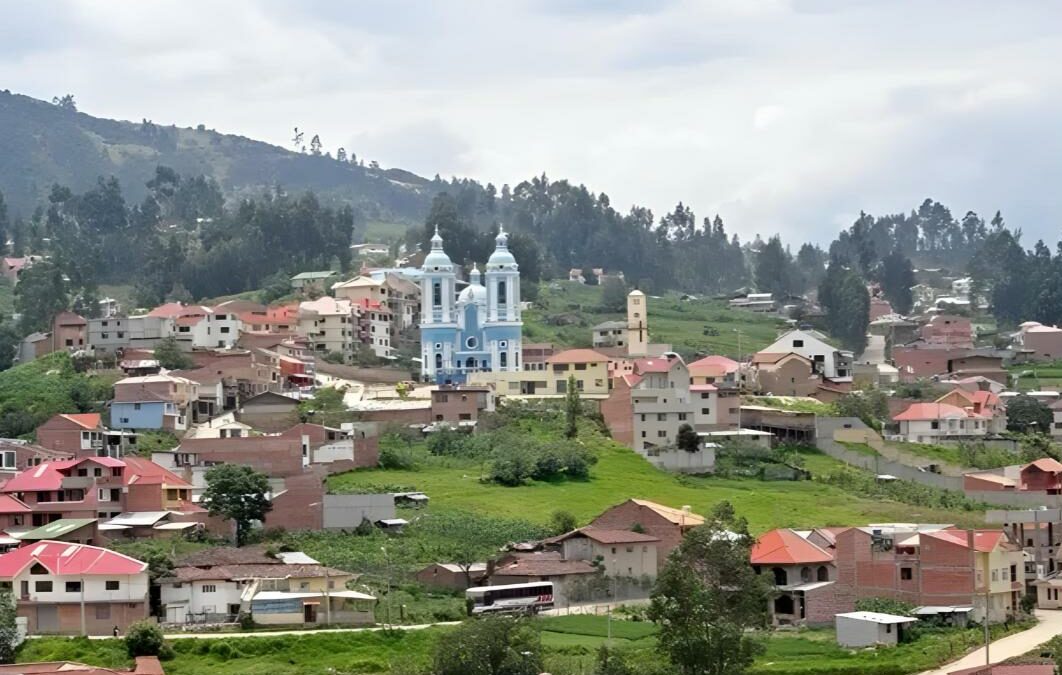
[{"x": 782, "y": 116}]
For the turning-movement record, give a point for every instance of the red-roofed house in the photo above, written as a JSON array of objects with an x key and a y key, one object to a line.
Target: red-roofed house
[
  {"x": 83, "y": 435},
  {"x": 71, "y": 589},
  {"x": 590, "y": 369},
  {"x": 1042, "y": 475},
  {"x": 802, "y": 572},
  {"x": 931, "y": 422}
]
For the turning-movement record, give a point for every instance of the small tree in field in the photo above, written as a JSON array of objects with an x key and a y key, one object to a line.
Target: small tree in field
[{"x": 143, "y": 639}]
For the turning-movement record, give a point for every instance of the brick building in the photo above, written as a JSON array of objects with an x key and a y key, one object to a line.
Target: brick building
[
  {"x": 667, "y": 524},
  {"x": 801, "y": 568},
  {"x": 83, "y": 435}
]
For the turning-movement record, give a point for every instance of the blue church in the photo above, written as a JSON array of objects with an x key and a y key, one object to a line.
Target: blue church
[{"x": 478, "y": 330}]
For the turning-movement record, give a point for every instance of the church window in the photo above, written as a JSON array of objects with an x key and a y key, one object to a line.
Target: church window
[
  {"x": 438, "y": 361},
  {"x": 436, "y": 294},
  {"x": 503, "y": 359},
  {"x": 438, "y": 345},
  {"x": 501, "y": 292},
  {"x": 503, "y": 344},
  {"x": 471, "y": 342}
]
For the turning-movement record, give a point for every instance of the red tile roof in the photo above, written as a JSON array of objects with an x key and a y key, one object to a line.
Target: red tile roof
[
  {"x": 87, "y": 420},
  {"x": 1045, "y": 464},
  {"x": 660, "y": 365},
  {"x": 170, "y": 309},
  {"x": 932, "y": 411},
  {"x": 577, "y": 356},
  {"x": 65, "y": 558},
  {"x": 605, "y": 536},
  {"x": 141, "y": 471},
  {"x": 985, "y": 541},
  {"x": 10, "y": 504},
  {"x": 786, "y": 547},
  {"x": 713, "y": 366}
]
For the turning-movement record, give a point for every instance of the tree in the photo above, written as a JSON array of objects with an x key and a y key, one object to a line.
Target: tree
[
  {"x": 341, "y": 155},
  {"x": 708, "y": 596},
  {"x": 687, "y": 439},
  {"x": 238, "y": 493},
  {"x": 872, "y": 407},
  {"x": 9, "y": 637},
  {"x": 562, "y": 521},
  {"x": 169, "y": 355},
  {"x": 9, "y": 341},
  {"x": 844, "y": 296},
  {"x": 897, "y": 278},
  {"x": 315, "y": 146},
  {"x": 614, "y": 295},
  {"x": 1026, "y": 414},
  {"x": 775, "y": 272},
  {"x": 66, "y": 102},
  {"x": 144, "y": 638},
  {"x": 40, "y": 294},
  {"x": 490, "y": 646},
  {"x": 573, "y": 407}
]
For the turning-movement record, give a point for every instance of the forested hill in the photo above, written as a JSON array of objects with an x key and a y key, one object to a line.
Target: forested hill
[{"x": 44, "y": 144}]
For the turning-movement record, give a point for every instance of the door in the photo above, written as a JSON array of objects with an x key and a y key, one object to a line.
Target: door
[
  {"x": 309, "y": 613},
  {"x": 47, "y": 619}
]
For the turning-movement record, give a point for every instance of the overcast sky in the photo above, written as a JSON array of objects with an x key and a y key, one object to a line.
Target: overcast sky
[{"x": 784, "y": 116}]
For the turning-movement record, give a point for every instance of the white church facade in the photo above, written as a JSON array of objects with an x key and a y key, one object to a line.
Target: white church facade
[{"x": 478, "y": 330}]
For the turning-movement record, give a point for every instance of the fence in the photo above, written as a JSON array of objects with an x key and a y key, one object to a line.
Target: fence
[{"x": 853, "y": 430}]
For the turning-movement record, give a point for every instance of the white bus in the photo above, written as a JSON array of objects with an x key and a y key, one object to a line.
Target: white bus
[{"x": 522, "y": 598}]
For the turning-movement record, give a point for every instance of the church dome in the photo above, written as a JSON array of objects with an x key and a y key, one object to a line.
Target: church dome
[
  {"x": 501, "y": 255},
  {"x": 437, "y": 256},
  {"x": 473, "y": 293}
]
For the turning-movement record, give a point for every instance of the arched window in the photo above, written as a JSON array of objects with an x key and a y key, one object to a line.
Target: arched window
[
  {"x": 805, "y": 574},
  {"x": 503, "y": 359},
  {"x": 436, "y": 294},
  {"x": 438, "y": 362},
  {"x": 501, "y": 293},
  {"x": 780, "y": 577},
  {"x": 823, "y": 573},
  {"x": 470, "y": 363}
]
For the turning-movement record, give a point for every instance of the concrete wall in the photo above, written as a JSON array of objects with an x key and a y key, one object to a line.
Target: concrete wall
[
  {"x": 702, "y": 461},
  {"x": 347, "y": 511}
]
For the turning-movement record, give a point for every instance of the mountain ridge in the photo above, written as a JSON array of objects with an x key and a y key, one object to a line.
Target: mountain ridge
[{"x": 44, "y": 144}]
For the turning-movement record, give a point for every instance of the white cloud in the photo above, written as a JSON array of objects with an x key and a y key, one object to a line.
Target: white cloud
[{"x": 781, "y": 116}]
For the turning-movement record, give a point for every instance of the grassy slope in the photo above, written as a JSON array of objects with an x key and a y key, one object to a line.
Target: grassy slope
[
  {"x": 671, "y": 320},
  {"x": 570, "y": 644},
  {"x": 621, "y": 474},
  {"x": 1035, "y": 376}
]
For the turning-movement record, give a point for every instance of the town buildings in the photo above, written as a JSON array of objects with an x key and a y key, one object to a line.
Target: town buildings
[
  {"x": 153, "y": 402},
  {"x": 110, "y": 335},
  {"x": 958, "y": 414},
  {"x": 478, "y": 330},
  {"x": 829, "y": 361}
]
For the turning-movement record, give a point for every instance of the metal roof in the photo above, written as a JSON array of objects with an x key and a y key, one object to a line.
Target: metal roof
[{"x": 57, "y": 528}]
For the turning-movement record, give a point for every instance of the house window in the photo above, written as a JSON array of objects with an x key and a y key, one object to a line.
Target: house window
[
  {"x": 798, "y": 343},
  {"x": 113, "y": 584},
  {"x": 706, "y": 411},
  {"x": 103, "y": 336},
  {"x": 136, "y": 406},
  {"x": 661, "y": 434},
  {"x": 906, "y": 573},
  {"x": 9, "y": 459},
  {"x": 209, "y": 588},
  {"x": 682, "y": 417},
  {"x": 661, "y": 417},
  {"x": 42, "y": 586},
  {"x": 73, "y": 587}
]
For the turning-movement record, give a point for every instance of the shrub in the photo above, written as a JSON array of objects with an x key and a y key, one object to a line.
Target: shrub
[
  {"x": 562, "y": 521},
  {"x": 144, "y": 639},
  {"x": 398, "y": 457},
  {"x": 246, "y": 621}
]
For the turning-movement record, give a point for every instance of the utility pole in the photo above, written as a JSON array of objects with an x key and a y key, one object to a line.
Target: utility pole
[
  {"x": 387, "y": 559},
  {"x": 740, "y": 380},
  {"x": 84, "y": 626},
  {"x": 988, "y": 660}
]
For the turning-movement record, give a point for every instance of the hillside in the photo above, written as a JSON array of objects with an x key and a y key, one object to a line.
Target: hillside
[
  {"x": 566, "y": 311},
  {"x": 44, "y": 144}
]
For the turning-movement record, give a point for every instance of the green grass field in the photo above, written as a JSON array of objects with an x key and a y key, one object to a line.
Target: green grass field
[
  {"x": 566, "y": 311},
  {"x": 1037, "y": 376},
  {"x": 569, "y": 644},
  {"x": 621, "y": 474}
]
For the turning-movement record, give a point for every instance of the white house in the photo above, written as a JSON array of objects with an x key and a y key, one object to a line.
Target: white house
[
  {"x": 931, "y": 422},
  {"x": 829, "y": 361},
  {"x": 75, "y": 589},
  {"x": 109, "y": 333},
  {"x": 329, "y": 324}
]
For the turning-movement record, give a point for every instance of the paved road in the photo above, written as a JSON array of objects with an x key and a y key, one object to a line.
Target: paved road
[
  {"x": 875, "y": 350},
  {"x": 1013, "y": 645}
]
